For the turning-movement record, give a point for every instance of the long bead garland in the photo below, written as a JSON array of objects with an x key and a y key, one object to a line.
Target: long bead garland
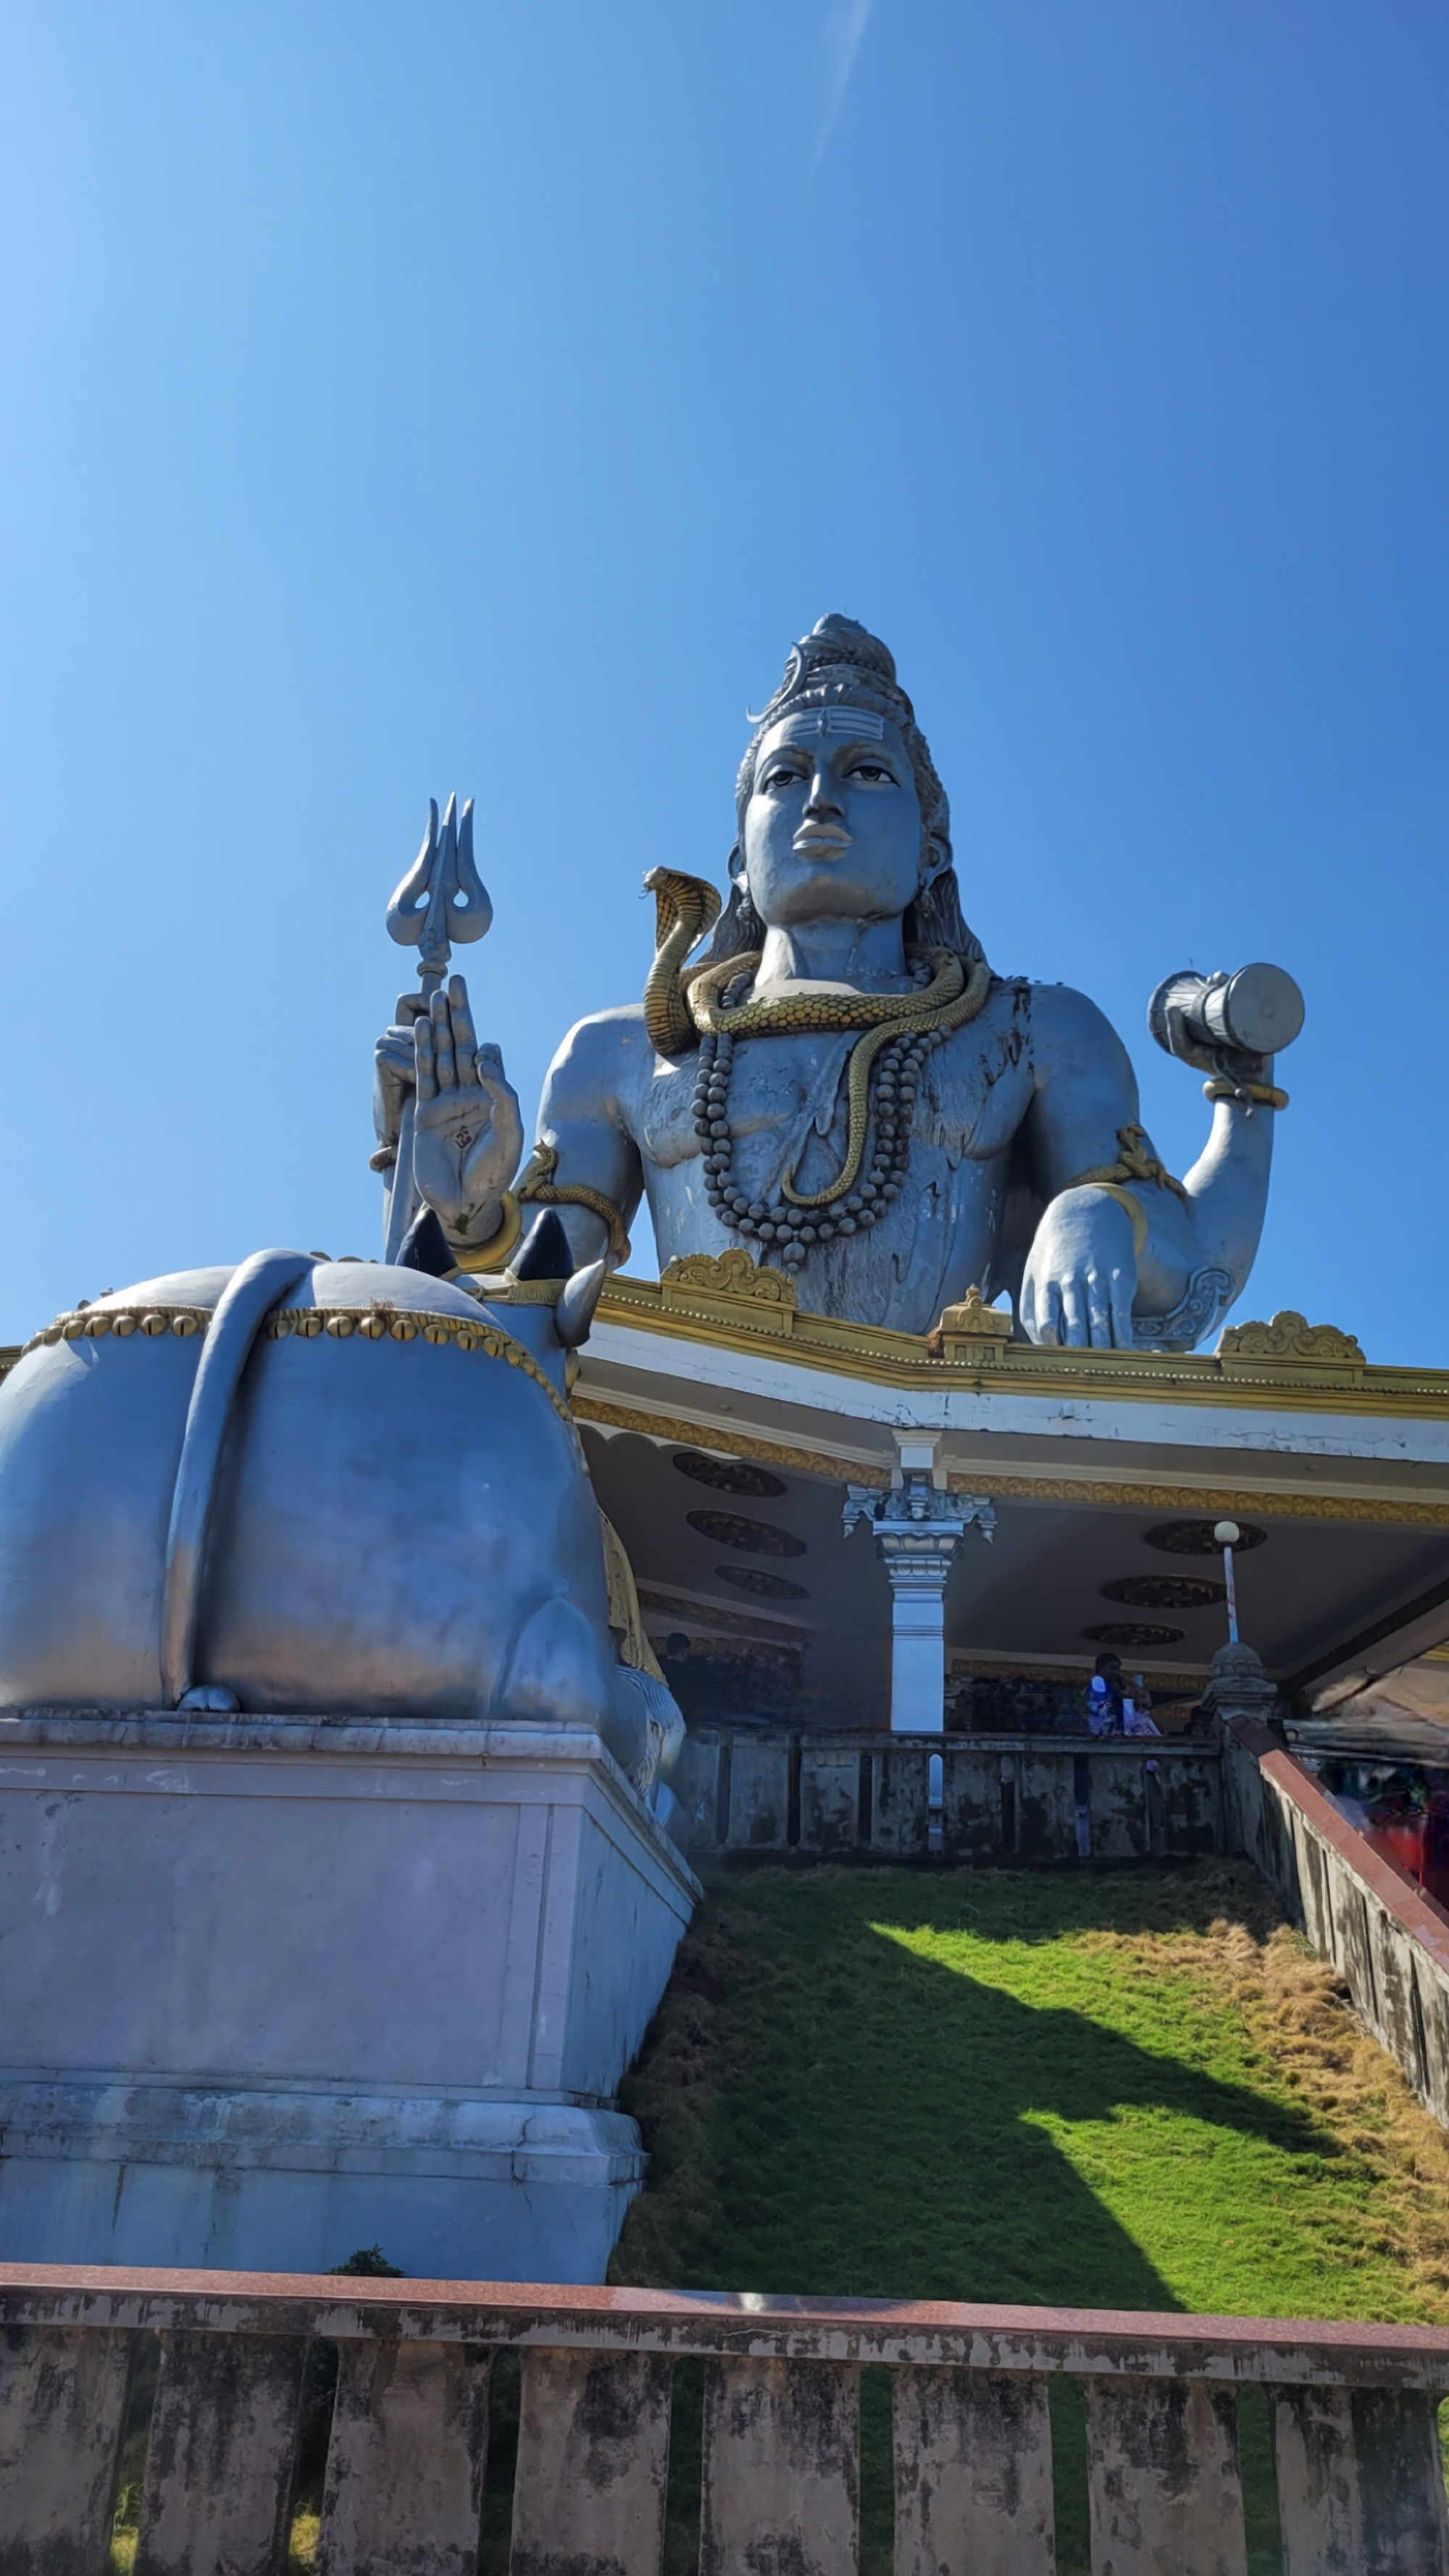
[{"x": 790, "y": 1229}]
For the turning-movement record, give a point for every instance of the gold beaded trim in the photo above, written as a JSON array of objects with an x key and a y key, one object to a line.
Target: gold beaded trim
[
  {"x": 339, "y": 1323},
  {"x": 89, "y": 1323}
]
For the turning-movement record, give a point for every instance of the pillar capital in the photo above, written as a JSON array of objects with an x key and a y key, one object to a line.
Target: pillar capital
[{"x": 917, "y": 1530}]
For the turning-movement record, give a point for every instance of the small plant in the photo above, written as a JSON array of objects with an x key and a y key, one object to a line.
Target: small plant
[{"x": 368, "y": 2263}]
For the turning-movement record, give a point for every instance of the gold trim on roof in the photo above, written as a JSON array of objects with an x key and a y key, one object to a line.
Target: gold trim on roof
[
  {"x": 1258, "y": 1365},
  {"x": 729, "y": 1444},
  {"x": 1375, "y": 1511}
]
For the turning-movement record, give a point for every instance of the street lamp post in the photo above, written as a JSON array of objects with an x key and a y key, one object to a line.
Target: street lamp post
[{"x": 1227, "y": 1534}]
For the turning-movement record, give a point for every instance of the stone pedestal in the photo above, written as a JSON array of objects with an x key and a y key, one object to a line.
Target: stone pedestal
[{"x": 276, "y": 1989}]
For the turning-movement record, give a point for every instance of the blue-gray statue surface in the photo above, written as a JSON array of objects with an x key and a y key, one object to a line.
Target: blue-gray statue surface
[{"x": 827, "y": 1071}]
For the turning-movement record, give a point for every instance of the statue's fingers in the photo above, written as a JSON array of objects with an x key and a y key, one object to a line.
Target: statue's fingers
[
  {"x": 1099, "y": 1311},
  {"x": 465, "y": 1036},
  {"x": 1049, "y": 1313},
  {"x": 425, "y": 1072},
  {"x": 1074, "y": 1316},
  {"x": 443, "y": 1042},
  {"x": 1123, "y": 1291}
]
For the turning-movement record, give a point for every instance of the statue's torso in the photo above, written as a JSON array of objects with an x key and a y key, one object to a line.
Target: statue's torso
[{"x": 939, "y": 1237}]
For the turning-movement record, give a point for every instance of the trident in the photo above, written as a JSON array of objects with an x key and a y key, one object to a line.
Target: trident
[{"x": 442, "y": 898}]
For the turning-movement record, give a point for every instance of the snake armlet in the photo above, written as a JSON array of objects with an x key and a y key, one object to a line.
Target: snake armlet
[
  {"x": 538, "y": 1188},
  {"x": 685, "y": 908},
  {"x": 1255, "y": 1095},
  {"x": 1134, "y": 1163}
]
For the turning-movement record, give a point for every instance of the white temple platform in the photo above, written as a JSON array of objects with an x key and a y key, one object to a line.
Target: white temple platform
[{"x": 275, "y": 1990}]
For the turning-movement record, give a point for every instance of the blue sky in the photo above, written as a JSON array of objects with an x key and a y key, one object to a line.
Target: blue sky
[{"x": 483, "y": 397}]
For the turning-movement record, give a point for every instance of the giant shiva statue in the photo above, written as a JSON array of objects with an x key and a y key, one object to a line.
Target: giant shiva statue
[{"x": 839, "y": 1082}]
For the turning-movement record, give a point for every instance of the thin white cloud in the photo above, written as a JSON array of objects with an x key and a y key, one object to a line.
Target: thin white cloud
[{"x": 840, "y": 43}]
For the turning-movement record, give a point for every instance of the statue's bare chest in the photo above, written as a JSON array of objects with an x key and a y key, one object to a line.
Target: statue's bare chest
[{"x": 965, "y": 1099}]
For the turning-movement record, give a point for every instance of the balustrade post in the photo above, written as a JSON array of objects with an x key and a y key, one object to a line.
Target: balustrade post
[
  {"x": 593, "y": 2464},
  {"x": 62, "y": 2407},
  {"x": 1360, "y": 2482},
  {"x": 1162, "y": 2472},
  {"x": 404, "y": 2487},
  {"x": 222, "y": 2449},
  {"x": 781, "y": 2492},
  {"x": 973, "y": 2473}
]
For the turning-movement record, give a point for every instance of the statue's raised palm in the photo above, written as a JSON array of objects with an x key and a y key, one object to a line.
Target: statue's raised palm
[{"x": 467, "y": 1132}]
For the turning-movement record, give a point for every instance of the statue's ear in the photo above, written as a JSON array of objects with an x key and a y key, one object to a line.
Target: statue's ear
[
  {"x": 935, "y": 858},
  {"x": 736, "y": 864}
]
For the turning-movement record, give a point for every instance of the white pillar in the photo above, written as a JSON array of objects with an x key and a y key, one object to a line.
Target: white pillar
[{"x": 917, "y": 1532}]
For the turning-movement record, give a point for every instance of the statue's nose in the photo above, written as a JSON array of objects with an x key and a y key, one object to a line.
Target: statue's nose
[{"x": 824, "y": 794}]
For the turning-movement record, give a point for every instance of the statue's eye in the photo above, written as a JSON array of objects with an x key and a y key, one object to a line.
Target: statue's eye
[
  {"x": 783, "y": 777},
  {"x": 871, "y": 769}
]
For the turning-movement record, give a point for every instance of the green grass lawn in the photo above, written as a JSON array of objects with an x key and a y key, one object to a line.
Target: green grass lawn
[
  {"x": 1131, "y": 2089},
  {"x": 1127, "y": 2089}
]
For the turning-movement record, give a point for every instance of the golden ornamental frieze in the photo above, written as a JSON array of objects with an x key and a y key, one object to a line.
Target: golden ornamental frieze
[
  {"x": 1291, "y": 1338},
  {"x": 383, "y": 1322},
  {"x": 1377, "y": 1511},
  {"x": 1329, "y": 1376},
  {"x": 1374, "y": 1511},
  {"x": 742, "y": 1444}
]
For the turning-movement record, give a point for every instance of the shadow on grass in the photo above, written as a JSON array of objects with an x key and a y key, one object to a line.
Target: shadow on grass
[{"x": 832, "y": 2113}]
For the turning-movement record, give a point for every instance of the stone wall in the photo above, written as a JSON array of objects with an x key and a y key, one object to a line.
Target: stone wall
[
  {"x": 1352, "y": 2408},
  {"x": 1389, "y": 1942},
  {"x": 987, "y": 1799}
]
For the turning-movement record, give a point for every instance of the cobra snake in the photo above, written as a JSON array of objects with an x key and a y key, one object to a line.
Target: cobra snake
[{"x": 684, "y": 909}]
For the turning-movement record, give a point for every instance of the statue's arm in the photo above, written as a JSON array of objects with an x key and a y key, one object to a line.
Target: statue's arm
[
  {"x": 1102, "y": 1245},
  {"x": 1129, "y": 1242},
  {"x": 586, "y": 1162}
]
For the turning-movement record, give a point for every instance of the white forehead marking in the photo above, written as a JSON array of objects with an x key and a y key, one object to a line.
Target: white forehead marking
[{"x": 857, "y": 722}]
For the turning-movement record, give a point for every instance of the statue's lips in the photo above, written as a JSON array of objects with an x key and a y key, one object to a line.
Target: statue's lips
[{"x": 810, "y": 842}]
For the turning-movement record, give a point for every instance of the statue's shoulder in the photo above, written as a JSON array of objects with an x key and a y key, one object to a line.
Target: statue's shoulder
[
  {"x": 1068, "y": 1026},
  {"x": 604, "y": 1056}
]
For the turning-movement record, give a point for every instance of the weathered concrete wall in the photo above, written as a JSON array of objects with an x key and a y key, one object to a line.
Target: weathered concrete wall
[
  {"x": 965, "y": 1798},
  {"x": 1360, "y": 2485},
  {"x": 1388, "y": 1940}
]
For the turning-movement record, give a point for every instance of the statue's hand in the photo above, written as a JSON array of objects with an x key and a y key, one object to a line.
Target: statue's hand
[
  {"x": 1081, "y": 1273},
  {"x": 467, "y": 1132},
  {"x": 394, "y": 1071}
]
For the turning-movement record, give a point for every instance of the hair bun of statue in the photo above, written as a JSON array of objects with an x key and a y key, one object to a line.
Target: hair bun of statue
[{"x": 836, "y": 639}]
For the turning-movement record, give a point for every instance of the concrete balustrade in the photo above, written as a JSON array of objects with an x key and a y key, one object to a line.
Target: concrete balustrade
[
  {"x": 988, "y": 1798},
  {"x": 1387, "y": 1939},
  {"x": 1353, "y": 2412}
]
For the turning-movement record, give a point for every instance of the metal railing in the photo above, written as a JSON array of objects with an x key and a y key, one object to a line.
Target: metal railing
[
  {"x": 1352, "y": 2408},
  {"x": 985, "y": 1798}
]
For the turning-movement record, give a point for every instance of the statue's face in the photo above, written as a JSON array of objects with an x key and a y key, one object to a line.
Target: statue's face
[{"x": 833, "y": 826}]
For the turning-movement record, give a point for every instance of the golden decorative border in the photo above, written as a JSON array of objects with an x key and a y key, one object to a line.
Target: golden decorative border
[
  {"x": 1202, "y": 1500},
  {"x": 382, "y": 1322},
  {"x": 1295, "y": 1383},
  {"x": 1375, "y": 1510},
  {"x": 737, "y": 1444}
]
